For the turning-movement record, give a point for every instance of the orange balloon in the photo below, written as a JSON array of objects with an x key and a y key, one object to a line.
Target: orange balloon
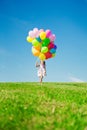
[
  {"x": 37, "y": 48},
  {"x": 35, "y": 51}
]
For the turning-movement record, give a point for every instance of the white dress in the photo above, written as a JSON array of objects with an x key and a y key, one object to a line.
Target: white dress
[{"x": 41, "y": 71}]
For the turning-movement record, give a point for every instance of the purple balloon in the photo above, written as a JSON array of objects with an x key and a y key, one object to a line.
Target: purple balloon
[{"x": 55, "y": 47}]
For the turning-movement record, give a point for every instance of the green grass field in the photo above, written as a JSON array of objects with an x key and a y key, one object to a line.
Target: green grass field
[{"x": 52, "y": 106}]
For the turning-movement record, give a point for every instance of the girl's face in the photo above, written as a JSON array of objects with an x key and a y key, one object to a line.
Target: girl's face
[{"x": 42, "y": 62}]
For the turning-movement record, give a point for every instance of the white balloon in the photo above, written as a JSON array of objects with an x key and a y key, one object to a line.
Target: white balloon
[
  {"x": 31, "y": 33},
  {"x": 35, "y": 30}
]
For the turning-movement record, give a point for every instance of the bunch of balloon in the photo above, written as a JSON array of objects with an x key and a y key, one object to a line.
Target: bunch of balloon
[{"x": 42, "y": 43}]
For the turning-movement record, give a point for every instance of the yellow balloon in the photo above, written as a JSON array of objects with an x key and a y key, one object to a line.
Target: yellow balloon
[
  {"x": 35, "y": 42},
  {"x": 42, "y": 35},
  {"x": 42, "y": 56},
  {"x": 29, "y": 39},
  {"x": 35, "y": 51},
  {"x": 53, "y": 55}
]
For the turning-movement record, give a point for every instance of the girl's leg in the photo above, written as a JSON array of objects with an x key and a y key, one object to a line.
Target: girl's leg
[{"x": 41, "y": 79}]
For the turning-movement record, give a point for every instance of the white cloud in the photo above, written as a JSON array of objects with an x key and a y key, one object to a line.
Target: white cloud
[{"x": 74, "y": 79}]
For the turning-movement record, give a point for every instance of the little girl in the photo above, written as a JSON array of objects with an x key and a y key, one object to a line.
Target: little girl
[{"x": 41, "y": 70}]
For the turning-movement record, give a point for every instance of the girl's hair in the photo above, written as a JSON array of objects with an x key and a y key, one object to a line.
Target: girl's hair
[{"x": 44, "y": 62}]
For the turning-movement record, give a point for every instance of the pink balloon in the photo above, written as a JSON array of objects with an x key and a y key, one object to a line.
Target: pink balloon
[
  {"x": 36, "y": 32},
  {"x": 48, "y": 33},
  {"x": 52, "y": 37},
  {"x": 41, "y": 30}
]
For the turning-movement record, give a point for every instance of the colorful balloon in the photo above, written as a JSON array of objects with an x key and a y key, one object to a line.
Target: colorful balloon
[
  {"x": 41, "y": 30},
  {"x": 36, "y": 32},
  {"x": 51, "y": 45},
  {"x": 48, "y": 33},
  {"x": 42, "y": 43},
  {"x": 29, "y": 39},
  {"x": 31, "y": 34},
  {"x": 42, "y": 35},
  {"x": 53, "y": 50},
  {"x": 55, "y": 46},
  {"x": 35, "y": 42},
  {"x": 46, "y": 41},
  {"x": 42, "y": 56},
  {"x": 53, "y": 55},
  {"x": 52, "y": 37},
  {"x": 38, "y": 39},
  {"x": 38, "y": 47},
  {"x": 44, "y": 49},
  {"x": 35, "y": 52},
  {"x": 48, "y": 55}
]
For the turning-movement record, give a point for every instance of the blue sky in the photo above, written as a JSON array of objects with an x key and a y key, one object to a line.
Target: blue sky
[{"x": 68, "y": 21}]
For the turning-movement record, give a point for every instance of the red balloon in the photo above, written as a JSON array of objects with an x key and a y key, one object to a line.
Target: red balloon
[
  {"x": 48, "y": 55},
  {"x": 51, "y": 45}
]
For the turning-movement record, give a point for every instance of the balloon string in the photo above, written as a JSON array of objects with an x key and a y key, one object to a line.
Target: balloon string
[{"x": 37, "y": 59}]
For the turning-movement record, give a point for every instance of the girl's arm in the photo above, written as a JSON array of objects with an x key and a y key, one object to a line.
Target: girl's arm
[
  {"x": 45, "y": 69},
  {"x": 37, "y": 64}
]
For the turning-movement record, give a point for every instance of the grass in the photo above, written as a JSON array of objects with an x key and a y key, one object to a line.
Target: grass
[{"x": 52, "y": 106}]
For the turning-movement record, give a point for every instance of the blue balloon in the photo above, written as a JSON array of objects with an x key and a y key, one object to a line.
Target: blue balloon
[
  {"x": 38, "y": 39},
  {"x": 53, "y": 50}
]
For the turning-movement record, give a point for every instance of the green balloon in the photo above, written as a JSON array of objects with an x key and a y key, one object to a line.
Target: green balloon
[
  {"x": 35, "y": 42},
  {"x": 46, "y": 41},
  {"x": 44, "y": 49}
]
